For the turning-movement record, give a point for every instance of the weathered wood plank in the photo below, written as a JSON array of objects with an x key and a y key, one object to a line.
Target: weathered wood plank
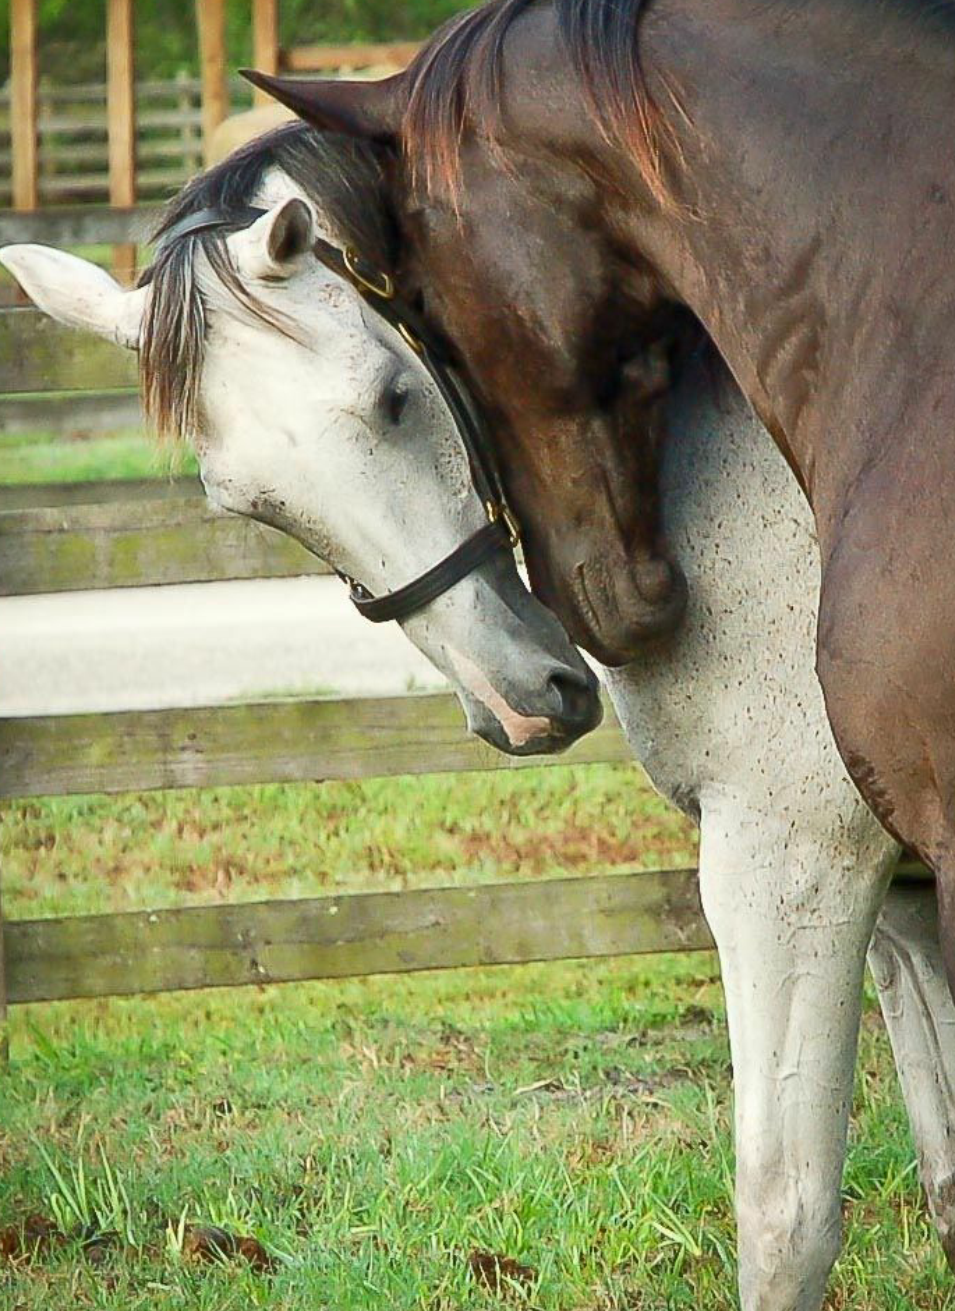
[
  {"x": 82, "y": 225},
  {"x": 67, "y": 414},
  {"x": 96, "y": 185},
  {"x": 40, "y": 355},
  {"x": 4, "y": 1033},
  {"x": 361, "y": 934},
  {"x": 265, "y": 741},
  {"x": 26, "y": 496},
  {"x": 140, "y": 543},
  {"x": 94, "y": 92},
  {"x": 97, "y": 152},
  {"x": 85, "y": 124}
]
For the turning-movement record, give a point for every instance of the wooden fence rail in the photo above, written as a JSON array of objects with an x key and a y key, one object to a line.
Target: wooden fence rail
[
  {"x": 361, "y": 934},
  {"x": 107, "y": 535},
  {"x": 140, "y": 543},
  {"x": 79, "y": 225},
  {"x": 53, "y": 380},
  {"x": 37, "y": 354},
  {"x": 278, "y": 741},
  {"x": 71, "y": 140}
]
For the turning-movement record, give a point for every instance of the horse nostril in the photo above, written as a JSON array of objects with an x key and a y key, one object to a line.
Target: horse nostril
[
  {"x": 655, "y": 580},
  {"x": 574, "y": 696}
]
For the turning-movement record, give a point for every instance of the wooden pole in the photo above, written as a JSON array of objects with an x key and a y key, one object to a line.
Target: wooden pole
[
  {"x": 265, "y": 43},
  {"x": 210, "y": 17},
  {"x": 23, "y": 104},
  {"x": 121, "y": 120},
  {"x": 4, "y": 1033},
  {"x": 189, "y": 133}
]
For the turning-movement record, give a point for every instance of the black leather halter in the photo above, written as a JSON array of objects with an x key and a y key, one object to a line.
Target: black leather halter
[{"x": 378, "y": 290}]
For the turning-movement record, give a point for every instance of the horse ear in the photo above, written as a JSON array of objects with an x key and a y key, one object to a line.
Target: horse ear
[
  {"x": 372, "y": 109},
  {"x": 275, "y": 244},
  {"x": 77, "y": 293}
]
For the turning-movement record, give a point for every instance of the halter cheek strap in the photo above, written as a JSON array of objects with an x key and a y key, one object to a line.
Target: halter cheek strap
[
  {"x": 406, "y": 601},
  {"x": 378, "y": 290}
]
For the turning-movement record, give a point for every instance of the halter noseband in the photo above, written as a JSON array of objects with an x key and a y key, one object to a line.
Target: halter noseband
[{"x": 378, "y": 290}]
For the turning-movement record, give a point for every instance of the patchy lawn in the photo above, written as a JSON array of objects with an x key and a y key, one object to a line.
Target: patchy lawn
[{"x": 553, "y": 1137}]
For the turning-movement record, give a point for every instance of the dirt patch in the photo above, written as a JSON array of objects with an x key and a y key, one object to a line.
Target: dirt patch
[
  {"x": 617, "y": 1082},
  {"x": 577, "y": 847},
  {"x": 211, "y": 1244},
  {"x": 499, "y": 1274},
  {"x": 27, "y": 1238}
]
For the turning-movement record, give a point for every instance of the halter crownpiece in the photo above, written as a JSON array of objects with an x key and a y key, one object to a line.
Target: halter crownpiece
[
  {"x": 377, "y": 288},
  {"x": 202, "y": 220}
]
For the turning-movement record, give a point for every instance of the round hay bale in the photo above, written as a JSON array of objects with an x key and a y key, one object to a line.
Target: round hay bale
[{"x": 237, "y": 129}]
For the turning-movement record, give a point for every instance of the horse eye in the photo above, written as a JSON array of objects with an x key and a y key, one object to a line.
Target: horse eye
[{"x": 396, "y": 401}]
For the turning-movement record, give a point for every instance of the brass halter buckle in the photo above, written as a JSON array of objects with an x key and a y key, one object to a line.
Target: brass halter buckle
[
  {"x": 383, "y": 288},
  {"x": 415, "y": 342},
  {"x": 495, "y": 511}
]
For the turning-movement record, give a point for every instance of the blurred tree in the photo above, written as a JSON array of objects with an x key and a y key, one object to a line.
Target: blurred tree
[{"x": 72, "y": 42}]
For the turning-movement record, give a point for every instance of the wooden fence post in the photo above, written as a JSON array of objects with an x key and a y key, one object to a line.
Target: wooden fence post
[
  {"x": 265, "y": 43},
  {"x": 210, "y": 17},
  {"x": 189, "y": 136},
  {"x": 4, "y": 1032},
  {"x": 23, "y": 103},
  {"x": 121, "y": 121}
]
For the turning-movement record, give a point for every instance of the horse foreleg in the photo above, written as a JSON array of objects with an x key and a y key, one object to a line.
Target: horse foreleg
[
  {"x": 792, "y": 910},
  {"x": 907, "y": 966}
]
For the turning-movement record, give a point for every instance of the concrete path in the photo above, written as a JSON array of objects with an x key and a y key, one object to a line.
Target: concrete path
[{"x": 208, "y": 642}]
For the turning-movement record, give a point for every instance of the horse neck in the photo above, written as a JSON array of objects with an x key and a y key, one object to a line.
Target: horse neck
[{"x": 807, "y": 157}]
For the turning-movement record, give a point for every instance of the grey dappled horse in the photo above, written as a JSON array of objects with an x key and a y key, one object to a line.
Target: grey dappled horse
[{"x": 729, "y": 721}]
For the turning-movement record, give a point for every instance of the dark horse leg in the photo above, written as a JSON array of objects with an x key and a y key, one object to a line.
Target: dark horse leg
[{"x": 886, "y": 661}]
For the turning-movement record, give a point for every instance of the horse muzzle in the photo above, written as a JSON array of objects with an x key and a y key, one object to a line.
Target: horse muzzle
[
  {"x": 614, "y": 610},
  {"x": 568, "y": 707}
]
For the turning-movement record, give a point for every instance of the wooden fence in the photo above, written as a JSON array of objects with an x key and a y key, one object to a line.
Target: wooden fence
[
  {"x": 106, "y": 535},
  {"x": 125, "y": 142},
  {"x": 59, "y": 538},
  {"x": 72, "y": 146}
]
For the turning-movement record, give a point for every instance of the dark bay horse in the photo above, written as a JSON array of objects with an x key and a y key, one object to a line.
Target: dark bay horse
[
  {"x": 781, "y": 174},
  {"x": 327, "y": 431}
]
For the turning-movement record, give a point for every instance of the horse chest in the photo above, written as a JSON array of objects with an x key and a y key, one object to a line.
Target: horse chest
[{"x": 733, "y": 701}]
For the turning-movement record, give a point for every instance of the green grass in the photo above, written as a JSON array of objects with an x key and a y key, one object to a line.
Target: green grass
[
  {"x": 373, "y": 1135},
  {"x": 46, "y": 458},
  {"x": 80, "y": 855}
]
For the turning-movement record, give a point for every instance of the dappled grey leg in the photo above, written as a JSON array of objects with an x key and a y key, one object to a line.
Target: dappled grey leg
[
  {"x": 906, "y": 963},
  {"x": 792, "y": 907}
]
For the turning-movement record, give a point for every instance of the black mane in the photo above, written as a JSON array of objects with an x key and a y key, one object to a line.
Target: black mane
[{"x": 340, "y": 175}]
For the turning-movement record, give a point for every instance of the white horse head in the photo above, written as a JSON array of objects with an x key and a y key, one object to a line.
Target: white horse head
[{"x": 310, "y": 413}]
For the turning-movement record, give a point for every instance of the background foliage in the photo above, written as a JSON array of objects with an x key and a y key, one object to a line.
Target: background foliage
[{"x": 73, "y": 47}]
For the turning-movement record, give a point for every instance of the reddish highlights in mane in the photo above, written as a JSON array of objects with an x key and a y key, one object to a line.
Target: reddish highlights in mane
[{"x": 456, "y": 79}]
